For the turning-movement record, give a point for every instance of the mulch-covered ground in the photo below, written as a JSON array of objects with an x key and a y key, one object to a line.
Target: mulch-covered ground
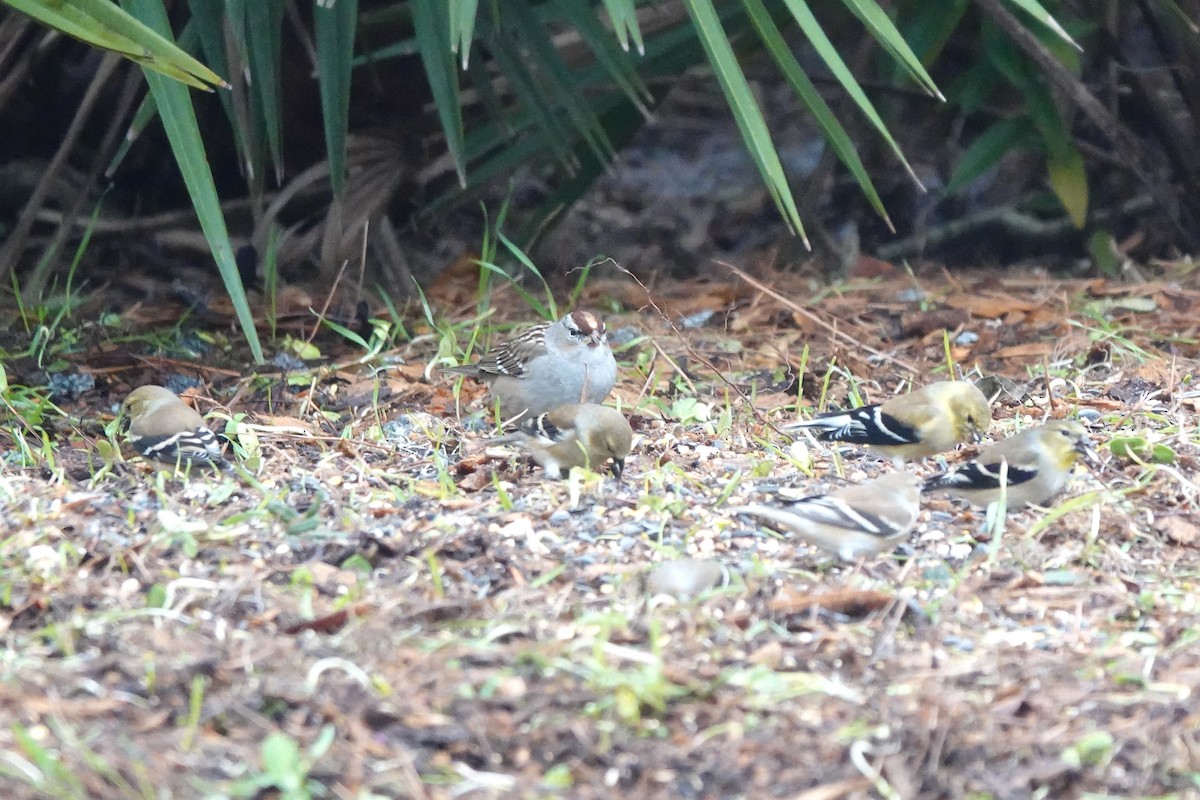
[{"x": 384, "y": 605}]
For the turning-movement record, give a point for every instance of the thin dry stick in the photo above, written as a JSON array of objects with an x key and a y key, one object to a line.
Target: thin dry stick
[
  {"x": 1049, "y": 391},
  {"x": 645, "y": 385},
  {"x": 804, "y": 312},
  {"x": 328, "y": 301},
  {"x": 674, "y": 366},
  {"x": 161, "y": 361},
  {"x": 10, "y": 253},
  {"x": 692, "y": 352}
]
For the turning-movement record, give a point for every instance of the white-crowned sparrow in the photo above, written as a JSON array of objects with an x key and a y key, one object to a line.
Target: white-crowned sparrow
[
  {"x": 574, "y": 435},
  {"x": 548, "y": 365},
  {"x": 855, "y": 521},
  {"x": 930, "y": 420},
  {"x": 163, "y": 427},
  {"x": 1038, "y": 460}
]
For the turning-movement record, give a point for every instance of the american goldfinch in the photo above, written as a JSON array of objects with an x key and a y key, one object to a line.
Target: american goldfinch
[
  {"x": 574, "y": 435},
  {"x": 163, "y": 427},
  {"x": 548, "y": 365},
  {"x": 855, "y": 521},
  {"x": 930, "y": 420},
  {"x": 1039, "y": 462}
]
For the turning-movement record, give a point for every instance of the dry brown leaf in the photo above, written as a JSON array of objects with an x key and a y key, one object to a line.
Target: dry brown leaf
[
  {"x": 922, "y": 323},
  {"x": 1033, "y": 350},
  {"x": 991, "y": 306},
  {"x": 851, "y": 602},
  {"x": 268, "y": 423},
  {"x": 870, "y": 267},
  {"x": 1178, "y": 530}
]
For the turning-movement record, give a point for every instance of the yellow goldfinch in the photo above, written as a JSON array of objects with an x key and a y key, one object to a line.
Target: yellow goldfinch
[
  {"x": 163, "y": 427},
  {"x": 574, "y": 435},
  {"x": 925, "y": 422},
  {"x": 851, "y": 522},
  {"x": 1039, "y": 462}
]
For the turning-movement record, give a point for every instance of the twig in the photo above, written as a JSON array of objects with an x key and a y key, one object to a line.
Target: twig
[
  {"x": 692, "y": 351},
  {"x": 671, "y": 361},
  {"x": 804, "y": 312},
  {"x": 328, "y": 301},
  {"x": 1049, "y": 391}
]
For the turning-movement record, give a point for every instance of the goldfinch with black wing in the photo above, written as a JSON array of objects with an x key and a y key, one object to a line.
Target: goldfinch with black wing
[
  {"x": 1038, "y": 463},
  {"x": 922, "y": 423},
  {"x": 574, "y": 435},
  {"x": 164, "y": 428},
  {"x": 853, "y": 522}
]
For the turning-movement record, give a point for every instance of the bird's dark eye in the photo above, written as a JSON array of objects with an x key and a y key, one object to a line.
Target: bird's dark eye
[{"x": 577, "y": 333}]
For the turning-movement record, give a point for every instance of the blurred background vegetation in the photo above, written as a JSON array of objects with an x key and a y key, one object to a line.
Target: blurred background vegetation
[{"x": 384, "y": 133}]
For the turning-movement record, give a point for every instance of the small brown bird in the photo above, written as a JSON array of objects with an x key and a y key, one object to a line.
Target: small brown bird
[
  {"x": 853, "y": 521},
  {"x": 922, "y": 423},
  {"x": 574, "y": 435},
  {"x": 163, "y": 427}
]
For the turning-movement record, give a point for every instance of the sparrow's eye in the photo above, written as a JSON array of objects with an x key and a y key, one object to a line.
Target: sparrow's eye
[{"x": 578, "y": 333}]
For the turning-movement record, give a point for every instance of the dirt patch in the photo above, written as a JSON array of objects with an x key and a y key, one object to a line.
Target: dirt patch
[{"x": 460, "y": 635}]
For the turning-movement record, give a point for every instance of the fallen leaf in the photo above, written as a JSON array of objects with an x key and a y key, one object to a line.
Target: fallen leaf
[
  {"x": 1027, "y": 350},
  {"x": 1178, "y": 530},
  {"x": 991, "y": 306},
  {"x": 850, "y": 602}
]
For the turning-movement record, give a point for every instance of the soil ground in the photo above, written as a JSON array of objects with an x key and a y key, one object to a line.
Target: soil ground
[{"x": 382, "y": 605}]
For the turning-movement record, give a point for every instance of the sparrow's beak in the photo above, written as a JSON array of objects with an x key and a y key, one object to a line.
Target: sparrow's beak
[
  {"x": 1084, "y": 448},
  {"x": 618, "y": 466}
]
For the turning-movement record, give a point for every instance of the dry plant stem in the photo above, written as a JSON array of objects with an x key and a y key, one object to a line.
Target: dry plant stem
[
  {"x": 12, "y": 31},
  {"x": 1125, "y": 142},
  {"x": 804, "y": 312},
  {"x": 1046, "y": 380},
  {"x": 692, "y": 352},
  {"x": 333, "y": 440},
  {"x": 645, "y": 385},
  {"x": 328, "y": 299},
  {"x": 881, "y": 647},
  {"x": 12, "y": 249},
  {"x": 674, "y": 366},
  {"x": 159, "y": 362},
  {"x": 119, "y": 115},
  {"x": 392, "y": 258},
  {"x": 165, "y": 220}
]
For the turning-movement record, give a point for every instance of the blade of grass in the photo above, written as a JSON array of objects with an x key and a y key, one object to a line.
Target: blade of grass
[
  {"x": 462, "y": 27},
  {"x": 625, "y": 23},
  {"x": 611, "y": 58},
  {"x": 264, "y": 18},
  {"x": 334, "y": 27},
  {"x": 881, "y": 27},
  {"x": 431, "y": 20},
  {"x": 835, "y": 134},
  {"x": 829, "y": 54},
  {"x": 746, "y": 112},
  {"x": 1035, "y": 10},
  {"x": 179, "y": 121},
  {"x": 103, "y": 24}
]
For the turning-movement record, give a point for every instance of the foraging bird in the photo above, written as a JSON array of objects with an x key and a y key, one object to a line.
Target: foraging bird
[
  {"x": 927, "y": 421},
  {"x": 851, "y": 522},
  {"x": 548, "y": 365},
  {"x": 163, "y": 427},
  {"x": 1039, "y": 461},
  {"x": 574, "y": 435}
]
